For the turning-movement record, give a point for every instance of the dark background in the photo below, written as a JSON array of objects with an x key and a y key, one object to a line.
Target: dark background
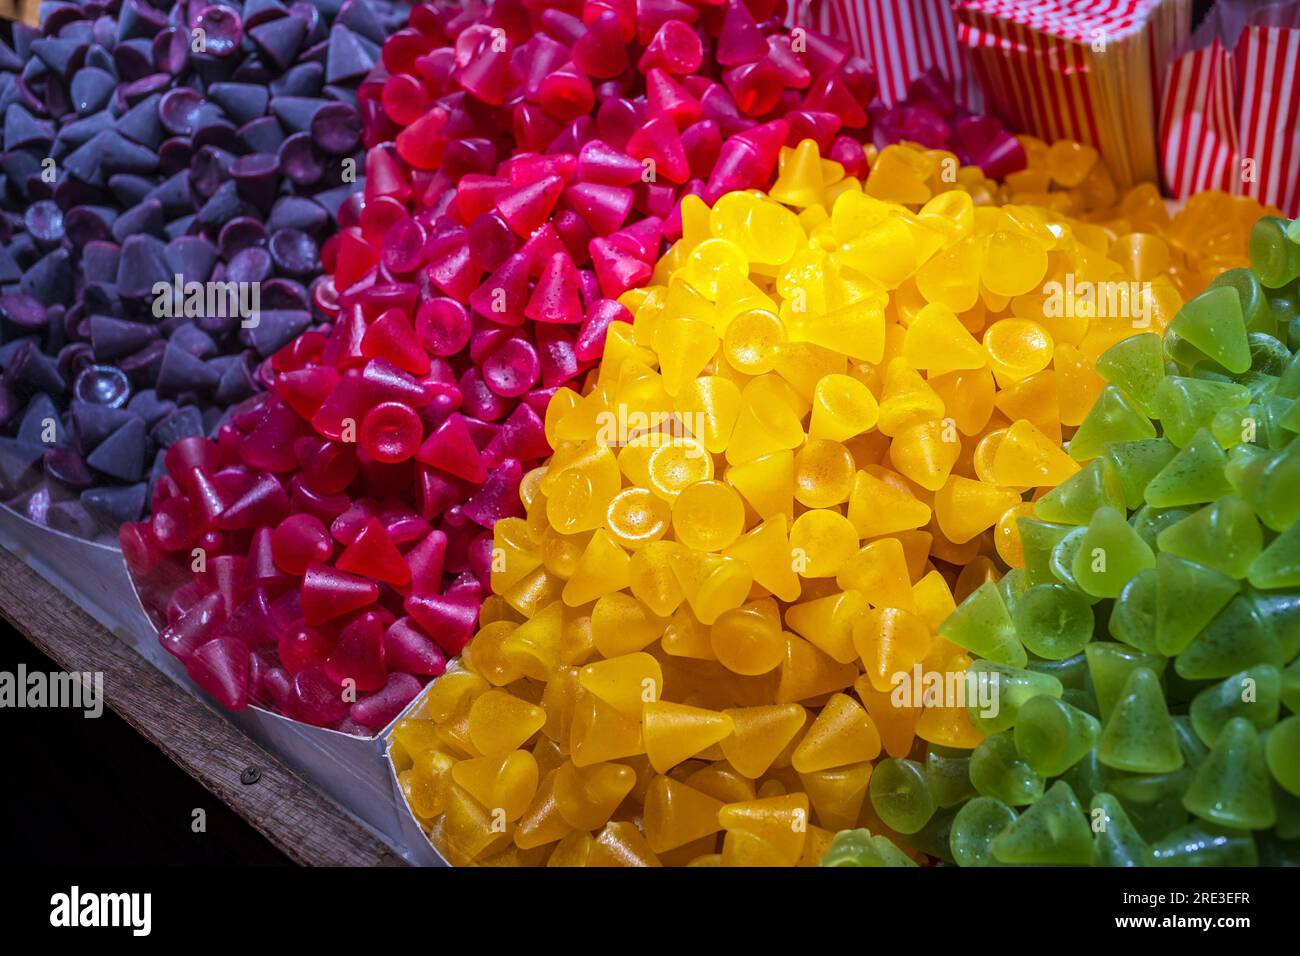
[{"x": 82, "y": 792}]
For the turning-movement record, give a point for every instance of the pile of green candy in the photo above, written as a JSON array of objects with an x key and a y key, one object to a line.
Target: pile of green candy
[{"x": 1147, "y": 656}]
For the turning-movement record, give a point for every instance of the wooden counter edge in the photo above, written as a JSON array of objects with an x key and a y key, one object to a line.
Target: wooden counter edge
[{"x": 300, "y": 821}]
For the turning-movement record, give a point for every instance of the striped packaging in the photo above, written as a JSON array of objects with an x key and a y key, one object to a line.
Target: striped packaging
[
  {"x": 902, "y": 40},
  {"x": 1230, "y": 114},
  {"x": 1086, "y": 70}
]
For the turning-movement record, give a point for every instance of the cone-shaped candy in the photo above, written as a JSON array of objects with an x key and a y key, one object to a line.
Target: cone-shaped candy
[{"x": 1139, "y": 736}]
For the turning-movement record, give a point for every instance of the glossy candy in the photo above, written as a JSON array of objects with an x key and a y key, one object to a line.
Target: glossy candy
[
  {"x": 295, "y": 522},
  {"x": 1192, "y": 247},
  {"x": 466, "y": 286},
  {"x": 755, "y": 522},
  {"x": 928, "y": 115},
  {"x": 532, "y": 120},
  {"x": 1156, "y": 613},
  {"x": 473, "y": 275},
  {"x": 143, "y": 179}
]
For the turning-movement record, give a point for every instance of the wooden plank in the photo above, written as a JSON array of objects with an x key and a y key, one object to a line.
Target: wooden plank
[{"x": 301, "y": 822}]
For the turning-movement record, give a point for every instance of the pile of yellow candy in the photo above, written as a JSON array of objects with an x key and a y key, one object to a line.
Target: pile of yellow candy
[
  {"x": 1204, "y": 238},
  {"x": 830, "y": 407}
]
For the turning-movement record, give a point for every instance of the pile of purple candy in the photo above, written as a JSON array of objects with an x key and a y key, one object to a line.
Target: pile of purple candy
[{"x": 168, "y": 174}]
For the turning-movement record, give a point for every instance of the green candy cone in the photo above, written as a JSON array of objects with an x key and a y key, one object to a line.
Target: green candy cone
[
  {"x": 1238, "y": 638},
  {"x": 1195, "y": 475},
  {"x": 1255, "y": 308},
  {"x": 1133, "y": 618},
  {"x": 1185, "y": 405},
  {"x": 1253, "y": 694},
  {"x": 997, "y": 770},
  {"x": 1038, "y": 539},
  {"x": 1188, "y": 597},
  {"x": 1268, "y": 481},
  {"x": 1116, "y": 842},
  {"x": 1111, "y": 665},
  {"x": 1274, "y": 258},
  {"x": 1150, "y": 522},
  {"x": 1015, "y": 686},
  {"x": 1109, "y": 554},
  {"x": 1278, "y": 565},
  {"x": 1139, "y": 737},
  {"x": 1074, "y": 500},
  {"x": 1052, "y": 832},
  {"x": 1053, "y": 621},
  {"x": 1213, "y": 322},
  {"x": 1136, "y": 463},
  {"x": 974, "y": 829},
  {"x": 947, "y": 774},
  {"x": 1136, "y": 366},
  {"x": 1112, "y": 418},
  {"x": 982, "y": 625},
  {"x": 1052, "y": 736},
  {"x": 1224, "y": 535},
  {"x": 900, "y": 795},
  {"x": 1231, "y": 788}
]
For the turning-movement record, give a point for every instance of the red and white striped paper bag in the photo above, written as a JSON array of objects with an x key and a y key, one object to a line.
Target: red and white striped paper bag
[
  {"x": 1230, "y": 113},
  {"x": 1086, "y": 70},
  {"x": 902, "y": 40}
]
